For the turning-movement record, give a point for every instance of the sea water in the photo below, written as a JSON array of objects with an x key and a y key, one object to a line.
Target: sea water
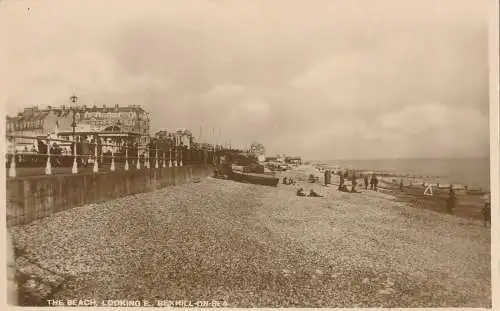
[{"x": 473, "y": 172}]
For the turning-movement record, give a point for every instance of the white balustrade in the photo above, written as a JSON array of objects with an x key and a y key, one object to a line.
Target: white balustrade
[
  {"x": 175, "y": 161},
  {"x": 12, "y": 168},
  {"x": 180, "y": 161},
  {"x": 156, "y": 163},
  {"x": 48, "y": 166},
  {"x": 96, "y": 165},
  {"x": 126, "y": 157},
  {"x": 138, "y": 166},
  {"x": 74, "y": 169},
  {"x": 112, "y": 168}
]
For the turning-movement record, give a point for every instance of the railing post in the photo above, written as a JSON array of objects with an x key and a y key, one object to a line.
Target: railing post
[
  {"x": 164, "y": 161},
  {"x": 180, "y": 163},
  {"x": 12, "y": 168},
  {"x": 175, "y": 160},
  {"x": 126, "y": 157},
  {"x": 74, "y": 169},
  {"x": 112, "y": 168},
  {"x": 48, "y": 167},
  {"x": 138, "y": 166},
  {"x": 156, "y": 163},
  {"x": 101, "y": 158},
  {"x": 170, "y": 161},
  {"x": 96, "y": 165}
]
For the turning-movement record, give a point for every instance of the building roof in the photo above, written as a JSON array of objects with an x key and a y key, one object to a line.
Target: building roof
[{"x": 32, "y": 113}]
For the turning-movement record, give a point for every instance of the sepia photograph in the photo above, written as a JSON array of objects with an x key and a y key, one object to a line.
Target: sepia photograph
[{"x": 249, "y": 153}]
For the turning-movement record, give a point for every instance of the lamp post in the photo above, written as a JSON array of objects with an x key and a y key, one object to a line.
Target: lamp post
[
  {"x": 126, "y": 155},
  {"x": 180, "y": 147},
  {"x": 156, "y": 146},
  {"x": 169, "y": 140},
  {"x": 96, "y": 165},
  {"x": 146, "y": 156},
  {"x": 74, "y": 99},
  {"x": 113, "y": 150},
  {"x": 138, "y": 166},
  {"x": 175, "y": 149}
]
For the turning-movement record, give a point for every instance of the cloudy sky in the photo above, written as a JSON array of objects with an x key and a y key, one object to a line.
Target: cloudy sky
[{"x": 323, "y": 79}]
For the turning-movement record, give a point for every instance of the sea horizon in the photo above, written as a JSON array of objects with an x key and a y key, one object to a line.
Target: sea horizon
[{"x": 471, "y": 171}]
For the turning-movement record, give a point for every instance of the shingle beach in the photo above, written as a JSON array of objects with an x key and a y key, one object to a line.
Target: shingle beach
[{"x": 258, "y": 246}]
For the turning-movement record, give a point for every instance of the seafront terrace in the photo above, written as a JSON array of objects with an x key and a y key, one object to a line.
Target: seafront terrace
[
  {"x": 97, "y": 157},
  {"x": 42, "y": 184}
]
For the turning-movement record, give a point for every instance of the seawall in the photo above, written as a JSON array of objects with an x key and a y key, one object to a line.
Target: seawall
[{"x": 32, "y": 198}]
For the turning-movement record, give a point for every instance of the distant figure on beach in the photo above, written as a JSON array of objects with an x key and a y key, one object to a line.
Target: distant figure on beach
[
  {"x": 314, "y": 194},
  {"x": 401, "y": 184},
  {"x": 451, "y": 201},
  {"x": 328, "y": 177},
  {"x": 373, "y": 182},
  {"x": 486, "y": 211},
  {"x": 354, "y": 182},
  {"x": 301, "y": 192},
  {"x": 366, "y": 181},
  {"x": 311, "y": 178},
  {"x": 341, "y": 184},
  {"x": 285, "y": 181}
]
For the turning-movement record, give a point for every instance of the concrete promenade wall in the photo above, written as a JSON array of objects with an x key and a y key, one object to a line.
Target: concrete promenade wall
[{"x": 36, "y": 197}]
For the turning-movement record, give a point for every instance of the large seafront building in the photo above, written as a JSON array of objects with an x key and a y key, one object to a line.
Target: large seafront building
[{"x": 35, "y": 122}]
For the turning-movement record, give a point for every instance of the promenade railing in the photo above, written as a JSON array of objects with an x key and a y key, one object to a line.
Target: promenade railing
[{"x": 55, "y": 153}]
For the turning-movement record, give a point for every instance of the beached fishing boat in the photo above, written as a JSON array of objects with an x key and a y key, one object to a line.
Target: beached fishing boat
[
  {"x": 265, "y": 179},
  {"x": 246, "y": 169}
]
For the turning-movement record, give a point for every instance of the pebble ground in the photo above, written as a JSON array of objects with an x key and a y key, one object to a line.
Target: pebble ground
[{"x": 258, "y": 246}]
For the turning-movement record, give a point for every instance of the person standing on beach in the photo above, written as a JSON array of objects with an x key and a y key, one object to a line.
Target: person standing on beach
[
  {"x": 373, "y": 182},
  {"x": 341, "y": 183},
  {"x": 353, "y": 189},
  {"x": 366, "y": 182},
  {"x": 486, "y": 211},
  {"x": 451, "y": 201},
  {"x": 328, "y": 177}
]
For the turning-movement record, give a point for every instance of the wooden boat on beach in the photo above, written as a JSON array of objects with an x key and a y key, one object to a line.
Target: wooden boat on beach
[
  {"x": 265, "y": 179},
  {"x": 245, "y": 169}
]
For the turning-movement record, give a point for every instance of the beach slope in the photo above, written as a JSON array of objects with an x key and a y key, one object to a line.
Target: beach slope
[{"x": 258, "y": 246}]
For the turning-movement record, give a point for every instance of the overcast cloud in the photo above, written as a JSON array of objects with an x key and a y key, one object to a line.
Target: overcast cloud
[{"x": 323, "y": 79}]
